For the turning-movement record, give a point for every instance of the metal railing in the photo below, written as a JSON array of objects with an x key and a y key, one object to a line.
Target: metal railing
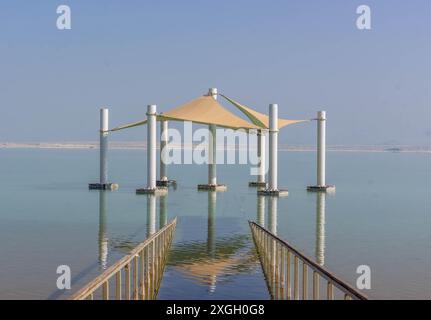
[
  {"x": 279, "y": 259},
  {"x": 136, "y": 276}
]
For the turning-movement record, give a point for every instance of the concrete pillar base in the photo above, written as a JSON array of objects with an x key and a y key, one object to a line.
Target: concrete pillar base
[
  {"x": 255, "y": 184},
  {"x": 155, "y": 191},
  {"x": 166, "y": 183},
  {"x": 212, "y": 187},
  {"x": 273, "y": 193},
  {"x": 103, "y": 186},
  {"x": 327, "y": 188}
]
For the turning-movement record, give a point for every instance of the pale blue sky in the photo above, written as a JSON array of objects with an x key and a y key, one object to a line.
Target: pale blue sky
[{"x": 303, "y": 55}]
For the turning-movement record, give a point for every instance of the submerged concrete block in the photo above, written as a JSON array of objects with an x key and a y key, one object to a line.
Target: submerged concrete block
[
  {"x": 166, "y": 183},
  {"x": 255, "y": 184},
  {"x": 327, "y": 188},
  {"x": 155, "y": 191},
  {"x": 103, "y": 186},
  {"x": 273, "y": 193},
  {"x": 212, "y": 187}
]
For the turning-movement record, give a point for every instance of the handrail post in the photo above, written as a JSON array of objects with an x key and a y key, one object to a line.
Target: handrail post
[
  {"x": 315, "y": 285},
  {"x": 106, "y": 290},
  {"x": 127, "y": 281},
  {"x": 118, "y": 285},
  {"x": 304, "y": 281}
]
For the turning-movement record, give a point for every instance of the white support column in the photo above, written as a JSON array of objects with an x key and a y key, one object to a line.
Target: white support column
[
  {"x": 151, "y": 146},
  {"x": 260, "y": 183},
  {"x": 151, "y": 187},
  {"x": 104, "y": 127},
  {"x": 272, "y": 189},
  {"x": 212, "y": 147},
  {"x": 103, "y": 183},
  {"x": 261, "y": 156},
  {"x": 163, "y": 143},
  {"x": 321, "y": 155},
  {"x": 321, "y": 148},
  {"x": 273, "y": 147},
  {"x": 212, "y": 151},
  {"x": 212, "y": 155}
]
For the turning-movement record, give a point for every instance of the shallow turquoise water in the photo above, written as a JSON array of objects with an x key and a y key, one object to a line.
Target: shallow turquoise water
[{"x": 379, "y": 216}]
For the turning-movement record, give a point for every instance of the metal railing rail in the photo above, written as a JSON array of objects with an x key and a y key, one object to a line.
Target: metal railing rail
[
  {"x": 277, "y": 258},
  {"x": 138, "y": 275}
]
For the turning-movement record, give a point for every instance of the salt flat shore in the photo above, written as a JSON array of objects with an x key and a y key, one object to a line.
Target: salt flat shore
[{"x": 141, "y": 145}]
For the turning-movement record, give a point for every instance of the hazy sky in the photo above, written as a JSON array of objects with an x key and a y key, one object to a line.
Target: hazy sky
[{"x": 303, "y": 55}]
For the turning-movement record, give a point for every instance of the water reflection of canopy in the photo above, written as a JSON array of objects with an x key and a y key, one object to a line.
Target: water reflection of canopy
[
  {"x": 194, "y": 259},
  {"x": 207, "y": 110}
]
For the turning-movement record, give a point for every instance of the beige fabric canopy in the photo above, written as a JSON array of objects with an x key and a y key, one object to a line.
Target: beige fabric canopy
[
  {"x": 203, "y": 110},
  {"x": 260, "y": 119},
  {"x": 207, "y": 110}
]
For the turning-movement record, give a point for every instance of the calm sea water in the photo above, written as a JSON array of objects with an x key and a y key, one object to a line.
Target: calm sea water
[{"x": 380, "y": 216}]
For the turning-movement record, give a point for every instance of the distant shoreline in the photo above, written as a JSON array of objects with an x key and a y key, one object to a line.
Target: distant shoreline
[{"x": 139, "y": 146}]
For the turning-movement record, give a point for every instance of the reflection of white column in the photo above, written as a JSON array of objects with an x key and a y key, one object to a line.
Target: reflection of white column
[
  {"x": 103, "y": 239},
  {"x": 273, "y": 147},
  {"x": 151, "y": 214},
  {"x": 212, "y": 201},
  {"x": 151, "y": 147},
  {"x": 261, "y": 210},
  {"x": 272, "y": 226},
  {"x": 163, "y": 214},
  {"x": 320, "y": 228},
  {"x": 272, "y": 211},
  {"x": 104, "y": 127},
  {"x": 211, "y": 237},
  {"x": 321, "y": 148},
  {"x": 163, "y": 151},
  {"x": 213, "y": 283}
]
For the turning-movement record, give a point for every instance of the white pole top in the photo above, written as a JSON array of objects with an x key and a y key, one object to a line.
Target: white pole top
[
  {"x": 104, "y": 118},
  {"x": 213, "y": 92},
  {"x": 151, "y": 110},
  {"x": 273, "y": 117},
  {"x": 321, "y": 115}
]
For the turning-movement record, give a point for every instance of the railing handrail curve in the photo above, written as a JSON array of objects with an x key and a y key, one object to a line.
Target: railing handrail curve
[
  {"x": 119, "y": 265},
  {"x": 340, "y": 284}
]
